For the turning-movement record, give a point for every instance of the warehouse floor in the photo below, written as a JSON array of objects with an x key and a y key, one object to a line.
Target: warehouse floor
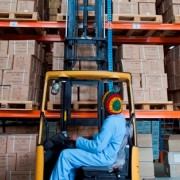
[{"x": 160, "y": 174}]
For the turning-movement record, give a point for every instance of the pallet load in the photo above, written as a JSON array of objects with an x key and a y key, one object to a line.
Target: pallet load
[
  {"x": 22, "y": 10},
  {"x": 17, "y": 156},
  {"x": 21, "y": 67},
  {"x": 135, "y": 11},
  {"x": 172, "y": 68},
  {"x": 170, "y": 10},
  {"x": 146, "y": 165},
  {"x": 171, "y": 155},
  {"x": 146, "y": 64}
]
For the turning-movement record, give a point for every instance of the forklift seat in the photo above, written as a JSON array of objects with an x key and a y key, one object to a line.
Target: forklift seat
[{"x": 119, "y": 169}]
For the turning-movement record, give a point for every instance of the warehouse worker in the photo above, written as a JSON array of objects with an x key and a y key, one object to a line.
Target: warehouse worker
[{"x": 101, "y": 150}]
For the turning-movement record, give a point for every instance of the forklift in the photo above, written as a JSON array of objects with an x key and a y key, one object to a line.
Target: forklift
[{"x": 85, "y": 32}]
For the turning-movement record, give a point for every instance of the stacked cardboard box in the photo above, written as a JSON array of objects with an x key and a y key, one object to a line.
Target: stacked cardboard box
[
  {"x": 21, "y": 66},
  {"x": 24, "y": 6},
  {"x": 171, "y": 155},
  {"x": 172, "y": 68},
  {"x": 169, "y": 9},
  {"x": 146, "y": 63},
  {"x": 54, "y": 8},
  {"x": 153, "y": 129},
  {"x": 134, "y": 7},
  {"x": 146, "y": 165},
  {"x": 17, "y": 156}
]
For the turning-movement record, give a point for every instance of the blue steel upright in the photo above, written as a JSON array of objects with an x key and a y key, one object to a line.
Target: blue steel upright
[{"x": 85, "y": 29}]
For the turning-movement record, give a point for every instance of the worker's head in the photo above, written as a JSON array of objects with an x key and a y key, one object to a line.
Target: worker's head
[{"x": 112, "y": 102}]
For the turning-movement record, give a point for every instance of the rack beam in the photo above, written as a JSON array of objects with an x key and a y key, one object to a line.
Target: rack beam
[{"x": 90, "y": 114}]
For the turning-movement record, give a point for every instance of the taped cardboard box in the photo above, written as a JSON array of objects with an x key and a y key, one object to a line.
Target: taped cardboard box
[
  {"x": 145, "y": 154},
  {"x": 26, "y": 161},
  {"x": 21, "y": 143},
  {"x": 7, "y": 161},
  {"x": 155, "y": 66},
  {"x": 58, "y": 49},
  {"x": 17, "y": 175},
  {"x": 172, "y": 170},
  {"x": 171, "y": 157},
  {"x": 144, "y": 140},
  {"x": 23, "y": 47},
  {"x": 147, "y": 8},
  {"x": 17, "y": 77},
  {"x": 3, "y": 143},
  {"x": 172, "y": 143},
  {"x": 26, "y": 6},
  {"x": 8, "y": 5},
  {"x": 6, "y": 61},
  {"x": 21, "y": 93},
  {"x": 151, "y": 52},
  {"x": 4, "y": 93},
  {"x": 4, "y": 46},
  {"x": 129, "y": 51},
  {"x": 146, "y": 169},
  {"x": 158, "y": 94}
]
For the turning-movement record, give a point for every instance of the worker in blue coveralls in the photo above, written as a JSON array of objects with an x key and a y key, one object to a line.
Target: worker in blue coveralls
[{"x": 101, "y": 150}]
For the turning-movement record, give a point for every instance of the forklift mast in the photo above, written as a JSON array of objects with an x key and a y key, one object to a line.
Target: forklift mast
[{"x": 85, "y": 25}]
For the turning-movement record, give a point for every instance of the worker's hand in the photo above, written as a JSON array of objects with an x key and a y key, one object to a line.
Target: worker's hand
[{"x": 73, "y": 137}]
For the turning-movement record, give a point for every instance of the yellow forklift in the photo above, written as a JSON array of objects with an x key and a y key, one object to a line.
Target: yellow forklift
[{"x": 64, "y": 81}]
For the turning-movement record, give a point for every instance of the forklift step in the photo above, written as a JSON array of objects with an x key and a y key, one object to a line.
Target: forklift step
[
  {"x": 151, "y": 106},
  {"x": 137, "y": 18},
  {"x": 18, "y": 105}
]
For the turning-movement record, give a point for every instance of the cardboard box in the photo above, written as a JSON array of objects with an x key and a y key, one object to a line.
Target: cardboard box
[
  {"x": 125, "y": 7},
  {"x": 1, "y": 76},
  {"x": 155, "y": 66},
  {"x": 21, "y": 93},
  {"x": 171, "y": 157},
  {"x": 85, "y": 50},
  {"x": 172, "y": 170},
  {"x": 58, "y": 49},
  {"x": 145, "y": 154},
  {"x": 136, "y": 80},
  {"x": 26, "y": 161},
  {"x": 3, "y": 175},
  {"x": 16, "y": 77},
  {"x": 88, "y": 65},
  {"x": 88, "y": 93},
  {"x": 21, "y": 143},
  {"x": 6, "y": 61},
  {"x": 158, "y": 94},
  {"x": 146, "y": 169},
  {"x": 144, "y": 140},
  {"x": 147, "y": 8},
  {"x": 134, "y": 65},
  {"x": 58, "y": 63},
  {"x": 129, "y": 51},
  {"x": 3, "y": 143},
  {"x": 172, "y": 143},
  {"x": 151, "y": 51},
  {"x": 26, "y": 6},
  {"x": 23, "y": 47},
  {"x": 4, "y": 93},
  {"x": 8, "y": 5},
  {"x": 25, "y": 62},
  {"x": 154, "y": 80},
  {"x": 140, "y": 94},
  {"x": 7, "y": 161},
  {"x": 17, "y": 175},
  {"x": 3, "y": 46}
]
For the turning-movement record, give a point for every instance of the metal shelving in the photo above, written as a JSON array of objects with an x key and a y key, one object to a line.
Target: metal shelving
[{"x": 154, "y": 34}]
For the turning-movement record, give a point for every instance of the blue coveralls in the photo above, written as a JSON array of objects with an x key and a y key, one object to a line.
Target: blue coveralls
[{"x": 100, "y": 151}]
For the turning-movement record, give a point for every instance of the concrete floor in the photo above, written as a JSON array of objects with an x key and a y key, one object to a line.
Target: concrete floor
[{"x": 160, "y": 174}]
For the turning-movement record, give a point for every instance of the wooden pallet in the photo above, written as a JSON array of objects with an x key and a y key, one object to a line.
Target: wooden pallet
[
  {"x": 137, "y": 18},
  {"x": 176, "y": 106},
  {"x": 151, "y": 106},
  {"x": 30, "y": 16},
  {"x": 91, "y": 17},
  {"x": 18, "y": 105},
  {"x": 78, "y": 105}
]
